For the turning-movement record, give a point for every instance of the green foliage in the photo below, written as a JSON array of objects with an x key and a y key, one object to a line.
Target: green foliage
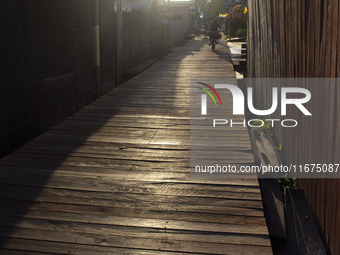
[
  {"x": 235, "y": 24},
  {"x": 266, "y": 125},
  {"x": 211, "y": 8},
  {"x": 279, "y": 148},
  {"x": 241, "y": 32},
  {"x": 262, "y": 128},
  {"x": 173, "y": 16},
  {"x": 237, "y": 20},
  {"x": 237, "y": 10},
  {"x": 288, "y": 182}
]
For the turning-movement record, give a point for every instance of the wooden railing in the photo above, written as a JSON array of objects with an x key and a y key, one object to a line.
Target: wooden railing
[{"x": 301, "y": 39}]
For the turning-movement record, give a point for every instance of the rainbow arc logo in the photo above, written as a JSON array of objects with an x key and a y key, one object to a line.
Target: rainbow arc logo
[{"x": 208, "y": 92}]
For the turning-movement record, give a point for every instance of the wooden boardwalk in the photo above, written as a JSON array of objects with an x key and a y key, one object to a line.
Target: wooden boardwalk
[{"x": 114, "y": 178}]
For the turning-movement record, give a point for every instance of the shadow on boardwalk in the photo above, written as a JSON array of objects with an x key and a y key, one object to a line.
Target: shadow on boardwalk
[{"x": 114, "y": 178}]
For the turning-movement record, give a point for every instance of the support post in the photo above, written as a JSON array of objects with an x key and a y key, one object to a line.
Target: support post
[
  {"x": 119, "y": 43},
  {"x": 41, "y": 100},
  {"x": 96, "y": 47}
]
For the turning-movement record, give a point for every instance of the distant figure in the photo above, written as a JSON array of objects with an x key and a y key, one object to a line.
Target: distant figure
[
  {"x": 214, "y": 26},
  {"x": 203, "y": 31},
  {"x": 197, "y": 32},
  {"x": 206, "y": 25}
]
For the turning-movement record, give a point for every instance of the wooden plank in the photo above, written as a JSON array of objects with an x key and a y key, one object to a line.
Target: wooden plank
[
  {"x": 120, "y": 201},
  {"x": 138, "y": 243},
  {"x": 155, "y": 212},
  {"x": 50, "y": 247},
  {"x": 16, "y": 252},
  {"x": 136, "y": 232},
  {"x": 87, "y": 184},
  {"x": 137, "y": 222},
  {"x": 331, "y": 191},
  {"x": 115, "y": 177},
  {"x": 336, "y": 151}
]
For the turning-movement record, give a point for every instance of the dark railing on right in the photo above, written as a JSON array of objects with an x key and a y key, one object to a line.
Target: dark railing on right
[{"x": 301, "y": 39}]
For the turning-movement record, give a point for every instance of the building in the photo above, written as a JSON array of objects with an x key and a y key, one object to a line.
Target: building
[
  {"x": 142, "y": 5},
  {"x": 126, "y": 6}
]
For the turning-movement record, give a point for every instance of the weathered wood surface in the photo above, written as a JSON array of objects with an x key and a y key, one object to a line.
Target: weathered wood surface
[
  {"x": 301, "y": 39},
  {"x": 114, "y": 178}
]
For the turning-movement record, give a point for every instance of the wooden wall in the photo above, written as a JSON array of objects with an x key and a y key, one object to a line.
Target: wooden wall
[
  {"x": 53, "y": 38},
  {"x": 301, "y": 38},
  {"x": 178, "y": 28},
  {"x": 144, "y": 37},
  {"x": 46, "y": 37}
]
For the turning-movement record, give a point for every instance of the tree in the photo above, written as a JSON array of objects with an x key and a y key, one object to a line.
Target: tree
[
  {"x": 211, "y": 8},
  {"x": 237, "y": 20}
]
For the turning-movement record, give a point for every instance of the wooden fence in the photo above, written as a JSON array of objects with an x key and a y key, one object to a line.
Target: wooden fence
[
  {"x": 144, "y": 37},
  {"x": 48, "y": 38},
  {"x": 301, "y": 39},
  {"x": 52, "y": 38}
]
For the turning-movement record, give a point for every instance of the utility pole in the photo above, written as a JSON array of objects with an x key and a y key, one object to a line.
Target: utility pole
[{"x": 119, "y": 42}]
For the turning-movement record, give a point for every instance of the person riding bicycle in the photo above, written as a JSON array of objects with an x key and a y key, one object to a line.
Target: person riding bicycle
[{"x": 214, "y": 26}]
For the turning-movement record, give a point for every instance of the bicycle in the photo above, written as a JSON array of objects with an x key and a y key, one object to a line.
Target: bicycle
[
  {"x": 214, "y": 35},
  {"x": 213, "y": 43}
]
